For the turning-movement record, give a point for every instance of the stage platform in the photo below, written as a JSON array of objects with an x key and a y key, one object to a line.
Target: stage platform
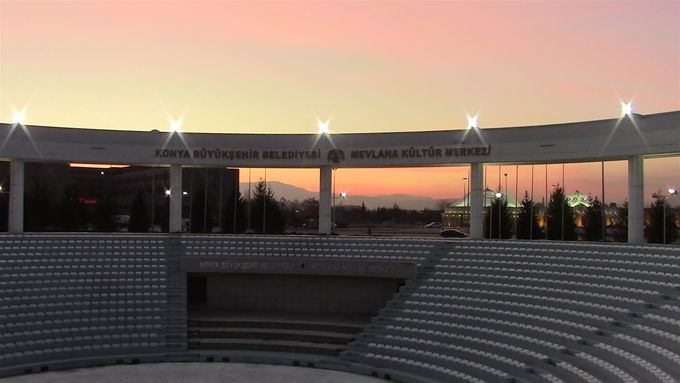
[{"x": 195, "y": 372}]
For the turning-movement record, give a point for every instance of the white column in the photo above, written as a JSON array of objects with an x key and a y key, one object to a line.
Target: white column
[
  {"x": 325, "y": 186},
  {"x": 175, "y": 223},
  {"x": 636, "y": 199},
  {"x": 476, "y": 200},
  {"x": 16, "y": 197}
]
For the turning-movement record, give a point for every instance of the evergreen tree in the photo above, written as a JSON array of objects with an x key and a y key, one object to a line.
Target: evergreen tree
[
  {"x": 139, "y": 215},
  {"x": 593, "y": 219},
  {"x": 621, "y": 224},
  {"x": 292, "y": 210},
  {"x": 266, "y": 213},
  {"x": 655, "y": 229},
  {"x": 528, "y": 220},
  {"x": 561, "y": 224},
  {"x": 504, "y": 225},
  {"x": 228, "y": 224},
  {"x": 309, "y": 211}
]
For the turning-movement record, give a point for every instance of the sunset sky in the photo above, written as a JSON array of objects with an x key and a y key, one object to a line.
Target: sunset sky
[{"x": 368, "y": 66}]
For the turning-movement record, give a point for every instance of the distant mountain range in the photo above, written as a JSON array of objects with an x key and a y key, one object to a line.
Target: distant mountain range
[{"x": 405, "y": 201}]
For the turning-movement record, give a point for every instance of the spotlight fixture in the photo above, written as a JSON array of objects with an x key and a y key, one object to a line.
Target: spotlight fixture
[
  {"x": 324, "y": 126},
  {"x": 472, "y": 122},
  {"x": 18, "y": 116},
  {"x": 626, "y": 109},
  {"x": 176, "y": 125}
]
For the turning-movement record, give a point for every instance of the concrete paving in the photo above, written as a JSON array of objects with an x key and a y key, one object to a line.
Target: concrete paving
[{"x": 194, "y": 372}]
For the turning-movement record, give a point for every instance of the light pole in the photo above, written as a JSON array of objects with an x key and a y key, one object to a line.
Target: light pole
[
  {"x": 671, "y": 192},
  {"x": 333, "y": 210},
  {"x": 469, "y": 185},
  {"x": 547, "y": 215},
  {"x": 249, "y": 230},
  {"x": 343, "y": 196},
  {"x": 531, "y": 207},
  {"x": 490, "y": 215},
  {"x": 506, "y": 193},
  {"x": 564, "y": 200},
  {"x": 184, "y": 194},
  {"x": 191, "y": 204},
  {"x": 264, "y": 204},
  {"x": 498, "y": 200},
  {"x": 506, "y": 186},
  {"x": 514, "y": 211},
  {"x": 604, "y": 207},
  {"x": 153, "y": 196},
  {"x": 190, "y": 210},
  {"x": 465, "y": 197},
  {"x": 546, "y": 202}
]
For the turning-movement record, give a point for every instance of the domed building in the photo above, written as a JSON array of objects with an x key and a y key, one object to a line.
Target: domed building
[
  {"x": 457, "y": 213},
  {"x": 579, "y": 203}
]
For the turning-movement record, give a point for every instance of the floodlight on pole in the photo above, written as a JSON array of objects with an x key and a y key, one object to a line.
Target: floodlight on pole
[
  {"x": 167, "y": 192},
  {"x": 671, "y": 192},
  {"x": 498, "y": 197},
  {"x": 472, "y": 122},
  {"x": 176, "y": 125},
  {"x": 626, "y": 109},
  {"x": 19, "y": 116},
  {"x": 324, "y": 126}
]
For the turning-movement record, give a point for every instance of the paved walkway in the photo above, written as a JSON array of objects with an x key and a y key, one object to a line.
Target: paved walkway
[{"x": 194, "y": 372}]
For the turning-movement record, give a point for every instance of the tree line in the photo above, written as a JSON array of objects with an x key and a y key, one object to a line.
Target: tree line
[
  {"x": 266, "y": 214},
  {"x": 560, "y": 225}
]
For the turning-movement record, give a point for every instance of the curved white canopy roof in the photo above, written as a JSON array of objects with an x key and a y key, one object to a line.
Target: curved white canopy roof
[{"x": 651, "y": 135}]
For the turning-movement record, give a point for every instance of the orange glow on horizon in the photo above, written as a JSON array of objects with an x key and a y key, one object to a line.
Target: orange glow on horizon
[
  {"x": 96, "y": 166},
  {"x": 447, "y": 182},
  {"x": 251, "y": 67}
]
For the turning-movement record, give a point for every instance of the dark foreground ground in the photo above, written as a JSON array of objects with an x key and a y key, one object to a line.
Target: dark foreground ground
[{"x": 194, "y": 372}]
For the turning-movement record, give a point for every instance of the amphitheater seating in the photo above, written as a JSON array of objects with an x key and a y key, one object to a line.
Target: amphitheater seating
[
  {"x": 519, "y": 310},
  {"x": 300, "y": 334},
  {"x": 69, "y": 296},
  {"x": 477, "y": 311},
  {"x": 388, "y": 249}
]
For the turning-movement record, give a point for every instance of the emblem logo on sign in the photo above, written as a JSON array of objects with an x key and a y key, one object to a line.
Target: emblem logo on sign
[{"x": 336, "y": 155}]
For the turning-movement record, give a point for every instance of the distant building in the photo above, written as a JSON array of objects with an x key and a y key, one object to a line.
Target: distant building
[
  {"x": 579, "y": 203},
  {"x": 457, "y": 214},
  {"x": 205, "y": 190}
]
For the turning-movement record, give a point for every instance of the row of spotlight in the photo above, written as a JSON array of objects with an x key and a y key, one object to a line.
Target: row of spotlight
[{"x": 19, "y": 117}]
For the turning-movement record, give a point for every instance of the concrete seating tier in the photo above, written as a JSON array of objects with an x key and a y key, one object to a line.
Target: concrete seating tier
[
  {"x": 533, "y": 311},
  {"x": 477, "y": 311},
  {"x": 369, "y": 249},
  {"x": 79, "y": 296},
  {"x": 258, "y": 332},
  {"x": 73, "y": 299}
]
